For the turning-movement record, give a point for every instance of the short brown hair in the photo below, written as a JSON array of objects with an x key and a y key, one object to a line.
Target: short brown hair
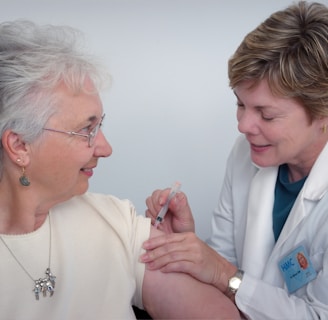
[{"x": 290, "y": 51}]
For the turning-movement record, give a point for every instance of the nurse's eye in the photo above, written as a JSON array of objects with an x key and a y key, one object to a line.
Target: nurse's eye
[
  {"x": 239, "y": 105},
  {"x": 265, "y": 114},
  {"x": 267, "y": 118}
]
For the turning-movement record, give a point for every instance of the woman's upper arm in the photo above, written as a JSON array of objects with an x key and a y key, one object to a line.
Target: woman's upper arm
[{"x": 178, "y": 295}]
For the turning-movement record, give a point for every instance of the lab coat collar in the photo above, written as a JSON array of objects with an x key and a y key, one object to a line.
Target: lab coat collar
[
  {"x": 316, "y": 184},
  {"x": 259, "y": 238},
  {"x": 315, "y": 187}
]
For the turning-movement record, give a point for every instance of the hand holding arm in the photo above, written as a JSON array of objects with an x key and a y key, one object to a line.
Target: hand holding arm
[{"x": 186, "y": 253}]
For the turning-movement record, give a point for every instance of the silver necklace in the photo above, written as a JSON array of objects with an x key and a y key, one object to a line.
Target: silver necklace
[{"x": 42, "y": 285}]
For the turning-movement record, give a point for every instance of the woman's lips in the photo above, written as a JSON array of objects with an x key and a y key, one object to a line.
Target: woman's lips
[{"x": 87, "y": 171}]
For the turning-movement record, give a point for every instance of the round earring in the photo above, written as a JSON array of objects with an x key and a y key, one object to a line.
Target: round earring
[{"x": 24, "y": 181}]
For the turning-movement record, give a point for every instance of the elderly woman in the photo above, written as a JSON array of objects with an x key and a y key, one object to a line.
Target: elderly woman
[
  {"x": 66, "y": 253},
  {"x": 274, "y": 200}
]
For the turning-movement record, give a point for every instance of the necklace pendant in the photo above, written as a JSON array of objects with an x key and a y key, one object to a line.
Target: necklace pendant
[
  {"x": 45, "y": 285},
  {"x": 50, "y": 283},
  {"x": 37, "y": 289}
]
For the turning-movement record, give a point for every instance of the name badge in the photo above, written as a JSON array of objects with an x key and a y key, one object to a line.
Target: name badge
[{"x": 297, "y": 269}]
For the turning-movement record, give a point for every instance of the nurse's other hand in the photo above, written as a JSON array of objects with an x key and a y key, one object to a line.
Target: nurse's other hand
[{"x": 185, "y": 252}]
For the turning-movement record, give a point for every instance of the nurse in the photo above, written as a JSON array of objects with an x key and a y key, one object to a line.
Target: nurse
[{"x": 274, "y": 200}]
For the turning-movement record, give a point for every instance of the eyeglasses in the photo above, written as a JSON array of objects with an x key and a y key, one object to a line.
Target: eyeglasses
[{"x": 91, "y": 136}]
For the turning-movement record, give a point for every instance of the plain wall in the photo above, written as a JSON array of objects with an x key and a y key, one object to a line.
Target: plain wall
[{"x": 170, "y": 113}]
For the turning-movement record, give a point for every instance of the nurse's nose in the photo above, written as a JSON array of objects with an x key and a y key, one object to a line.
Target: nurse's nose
[{"x": 247, "y": 122}]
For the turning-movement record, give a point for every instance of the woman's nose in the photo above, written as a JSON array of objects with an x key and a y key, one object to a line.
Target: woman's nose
[{"x": 102, "y": 146}]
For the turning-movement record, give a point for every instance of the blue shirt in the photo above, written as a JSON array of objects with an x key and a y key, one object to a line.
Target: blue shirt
[{"x": 284, "y": 197}]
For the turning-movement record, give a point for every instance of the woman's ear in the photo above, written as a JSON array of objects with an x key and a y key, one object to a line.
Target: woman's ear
[{"x": 15, "y": 147}]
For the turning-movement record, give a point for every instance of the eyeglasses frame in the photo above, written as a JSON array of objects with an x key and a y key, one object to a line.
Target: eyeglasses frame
[{"x": 93, "y": 133}]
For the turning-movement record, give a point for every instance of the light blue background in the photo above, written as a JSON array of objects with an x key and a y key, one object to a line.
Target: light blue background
[{"x": 170, "y": 113}]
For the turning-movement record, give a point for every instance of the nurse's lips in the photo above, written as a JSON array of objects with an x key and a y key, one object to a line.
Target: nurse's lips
[{"x": 259, "y": 148}]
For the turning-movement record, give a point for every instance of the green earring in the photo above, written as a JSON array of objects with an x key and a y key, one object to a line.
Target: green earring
[{"x": 24, "y": 181}]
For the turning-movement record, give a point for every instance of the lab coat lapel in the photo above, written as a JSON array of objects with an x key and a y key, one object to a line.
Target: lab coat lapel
[
  {"x": 315, "y": 187},
  {"x": 259, "y": 238}
]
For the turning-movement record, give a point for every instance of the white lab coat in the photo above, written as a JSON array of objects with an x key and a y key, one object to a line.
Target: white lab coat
[{"x": 242, "y": 232}]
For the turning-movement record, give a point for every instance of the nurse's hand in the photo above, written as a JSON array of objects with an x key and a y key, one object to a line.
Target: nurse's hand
[
  {"x": 185, "y": 252},
  {"x": 179, "y": 216}
]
